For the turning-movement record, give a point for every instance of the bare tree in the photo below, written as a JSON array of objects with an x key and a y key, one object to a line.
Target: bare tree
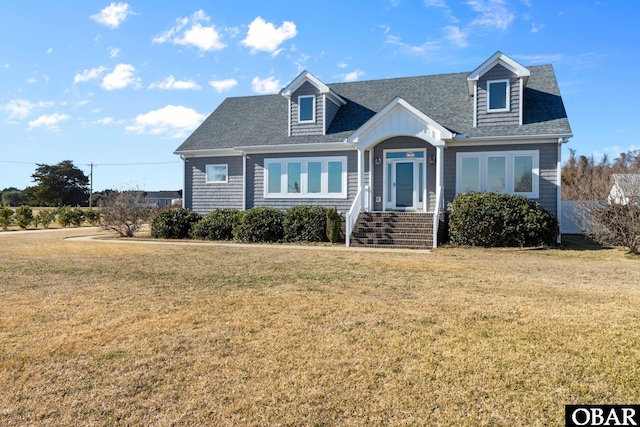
[
  {"x": 606, "y": 219},
  {"x": 125, "y": 212}
]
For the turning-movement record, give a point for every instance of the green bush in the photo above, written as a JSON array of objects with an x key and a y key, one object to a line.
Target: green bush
[
  {"x": 334, "y": 225},
  {"x": 305, "y": 224},
  {"x": 70, "y": 216},
  {"x": 24, "y": 216},
  {"x": 92, "y": 216},
  {"x": 6, "y": 214},
  {"x": 260, "y": 225},
  {"x": 174, "y": 223},
  {"x": 45, "y": 217},
  {"x": 500, "y": 220},
  {"x": 216, "y": 225}
]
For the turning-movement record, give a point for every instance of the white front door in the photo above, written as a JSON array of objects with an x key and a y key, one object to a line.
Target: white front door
[{"x": 404, "y": 180}]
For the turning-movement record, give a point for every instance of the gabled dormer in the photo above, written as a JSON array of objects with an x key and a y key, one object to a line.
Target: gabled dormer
[
  {"x": 497, "y": 87},
  {"x": 312, "y": 105}
]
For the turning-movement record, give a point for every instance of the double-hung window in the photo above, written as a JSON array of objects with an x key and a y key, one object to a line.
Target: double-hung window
[
  {"x": 510, "y": 172},
  {"x": 306, "y": 177},
  {"x": 307, "y": 109},
  {"x": 498, "y": 94}
]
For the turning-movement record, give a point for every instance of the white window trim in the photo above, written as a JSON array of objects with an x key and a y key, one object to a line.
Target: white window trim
[
  {"x": 226, "y": 180},
  {"x": 510, "y": 158},
  {"x": 507, "y": 99},
  {"x": 313, "y": 113},
  {"x": 304, "y": 194}
]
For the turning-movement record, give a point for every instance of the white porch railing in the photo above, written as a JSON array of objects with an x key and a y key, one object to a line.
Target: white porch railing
[{"x": 360, "y": 203}]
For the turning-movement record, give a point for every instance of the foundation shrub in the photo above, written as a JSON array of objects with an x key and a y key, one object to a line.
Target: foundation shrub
[
  {"x": 305, "y": 224},
  {"x": 174, "y": 223},
  {"x": 500, "y": 220},
  {"x": 216, "y": 225},
  {"x": 261, "y": 224},
  {"x": 334, "y": 225}
]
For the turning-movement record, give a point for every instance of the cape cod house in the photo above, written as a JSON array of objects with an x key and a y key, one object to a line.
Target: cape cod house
[{"x": 389, "y": 154}]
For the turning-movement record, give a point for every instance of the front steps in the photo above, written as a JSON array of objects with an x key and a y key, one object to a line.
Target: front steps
[{"x": 407, "y": 230}]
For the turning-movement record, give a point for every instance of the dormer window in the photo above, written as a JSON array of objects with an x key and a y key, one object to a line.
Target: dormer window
[
  {"x": 307, "y": 109},
  {"x": 498, "y": 96}
]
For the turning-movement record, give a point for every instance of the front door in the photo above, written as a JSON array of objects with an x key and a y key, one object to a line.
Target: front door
[{"x": 404, "y": 180}]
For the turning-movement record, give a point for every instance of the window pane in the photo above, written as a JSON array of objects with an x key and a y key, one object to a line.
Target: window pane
[
  {"x": 306, "y": 109},
  {"x": 496, "y": 174},
  {"x": 294, "y": 172},
  {"x": 314, "y": 177},
  {"x": 335, "y": 177},
  {"x": 274, "y": 172},
  {"x": 523, "y": 174},
  {"x": 470, "y": 175},
  {"x": 216, "y": 173},
  {"x": 497, "y": 95}
]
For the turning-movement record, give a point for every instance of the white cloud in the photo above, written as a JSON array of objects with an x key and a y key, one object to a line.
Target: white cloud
[
  {"x": 87, "y": 75},
  {"x": 121, "y": 77},
  {"x": 407, "y": 49},
  {"x": 113, "y": 15},
  {"x": 192, "y": 32},
  {"x": 493, "y": 14},
  {"x": 50, "y": 50},
  {"x": 171, "y": 83},
  {"x": 49, "y": 122},
  {"x": 352, "y": 76},
  {"x": 540, "y": 59},
  {"x": 264, "y": 86},
  {"x": 20, "y": 108},
  {"x": 456, "y": 36},
  {"x": 265, "y": 37},
  {"x": 435, "y": 3},
  {"x": 535, "y": 28},
  {"x": 113, "y": 52},
  {"x": 108, "y": 121},
  {"x": 342, "y": 64},
  {"x": 32, "y": 80},
  {"x": 223, "y": 85},
  {"x": 174, "y": 121}
]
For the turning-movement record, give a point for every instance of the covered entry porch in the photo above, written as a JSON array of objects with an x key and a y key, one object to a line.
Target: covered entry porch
[{"x": 405, "y": 172}]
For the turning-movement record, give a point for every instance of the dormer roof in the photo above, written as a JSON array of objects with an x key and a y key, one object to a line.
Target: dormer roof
[
  {"x": 505, "y": 61},
  {"x": 306, "y": 76}
]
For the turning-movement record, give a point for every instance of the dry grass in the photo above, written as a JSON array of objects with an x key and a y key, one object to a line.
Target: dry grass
[{"x": 104, "y": 333}]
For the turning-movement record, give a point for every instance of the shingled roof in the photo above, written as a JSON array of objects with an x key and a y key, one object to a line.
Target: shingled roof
[{"x": 262, "y": 120}]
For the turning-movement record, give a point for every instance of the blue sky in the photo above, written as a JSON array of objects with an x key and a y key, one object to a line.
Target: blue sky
[{"x": 122, "y": 84}]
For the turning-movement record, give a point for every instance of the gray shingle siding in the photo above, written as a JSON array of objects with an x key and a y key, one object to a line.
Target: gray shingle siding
[
  {"x": 507, "y": 118},
  {"x": 303, "y": 129},
  {"x": 204, "y": 197},
  {"x": 548, "y": 167},
  {"x": 255, "y": 185},
  {"x": 332, "y": 110}
]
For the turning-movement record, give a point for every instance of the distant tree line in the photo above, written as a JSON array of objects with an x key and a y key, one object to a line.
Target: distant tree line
[{"x": 588, "y": 178}]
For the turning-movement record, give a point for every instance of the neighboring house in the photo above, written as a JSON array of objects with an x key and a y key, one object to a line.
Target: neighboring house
[
  {"x": 377, "y": 149},
  {"x": 163, "y": 198},
  {"x": 624, "y": 188}
]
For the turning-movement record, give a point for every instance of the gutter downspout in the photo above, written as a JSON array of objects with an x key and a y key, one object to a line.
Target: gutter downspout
[
  {"x": 559, "y": 188},
  {"x": 244, "y": 180},
  {"x": 184, "y": 180}
]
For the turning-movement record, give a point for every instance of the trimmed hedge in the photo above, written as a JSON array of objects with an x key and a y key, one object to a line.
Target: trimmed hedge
[
  {"x": 500, "y": 220},
  {"x": 216, "y": 225},
  {"x": 174, "y": 223},
  {"x": 334, "y": 225},
  {"x": 305, "y": 224},
  {"x": 260, "y": 225},
  {"x": 24, "y": 216}
]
